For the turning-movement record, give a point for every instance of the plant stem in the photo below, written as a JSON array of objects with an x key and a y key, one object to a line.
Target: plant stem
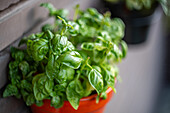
[{"x": 89, "y": 66}]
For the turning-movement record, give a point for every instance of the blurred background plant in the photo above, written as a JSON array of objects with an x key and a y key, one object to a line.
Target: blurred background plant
[
  {"x": 142, "y": 4},
  {"x": 138, "y": 16}
]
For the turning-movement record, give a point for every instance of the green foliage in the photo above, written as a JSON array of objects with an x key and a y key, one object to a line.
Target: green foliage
[
  {"x": 54, "y": 12},
  {"x": 71, "y": 59},
  {"x": 165, "y": 5},
  {"x": 37, "y": 49},
  {"x": 139, "y": 4},
  {"x": 144, "y": 4},
  {"x": 57, "y": 101},
  {"x": 96, "y": 80},
  {"x": 68, "y": 60},
  {"x": 11, "y": 90},
  {"x": 74, "y": 93}
]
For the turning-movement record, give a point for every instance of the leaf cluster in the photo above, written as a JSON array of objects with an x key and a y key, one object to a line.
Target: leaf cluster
[{"x": 68, "y": 60}]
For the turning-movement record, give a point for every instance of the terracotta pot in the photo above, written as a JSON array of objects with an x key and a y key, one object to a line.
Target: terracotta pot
[{"x": 87, "y": 105}]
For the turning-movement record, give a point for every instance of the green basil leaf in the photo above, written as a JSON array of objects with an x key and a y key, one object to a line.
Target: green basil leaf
[
  {"x": 66, "y": 74},
  {"x": 49, "y": 84},
  {"x": 96, "y": 80},
  {"x": 109, "y": 79},
  {"x": 25, "y": 39},
  {"x": 61, "y": 44},
  {"x": 71, "y": 59},
  {"x": 14, "y": 74},
  {"x": 109, "y": 74},
  {"x": 116, "y": 52},
  {"x": 99, "y": 56},
  {"x": 24, "y": 94},
  {"x": 24, "y": 67},
  {"x": 17, "y": 54},
  {"x": 75, "y": 31},
  {"x": 29, "y": 76},
  {"x": 87, "y": 88},
  {"x": 60, "y": 88},
  {"x": 57, "y": 102},
  {"x": 50, "y": 7},
  {"x": 105, "y": 35},
  {"x": 39, "y": 103},
  {"x": 87, "y": 46},
  {"x": 49, "y": 34},
  {"x": 39, "y": 95},
  {"x": 47, "y": 27},
  {"x": 11, "y": 90},
  {"x": 26, "y": 85},
  {"x": 117, "y": 29},
  {"x": 30, "y": 100},
  {"x": 124, "y": 48},
  {"x": 54, "y": 12},
  {"x": 52, "y": 68},
  {"x": 97, "y": 68},
  {"x": 42, "y": 86},
  {"x": 74, "y": 93},
  {"x": 37, "y": 49},
  {"x": 29, "y": 47}
]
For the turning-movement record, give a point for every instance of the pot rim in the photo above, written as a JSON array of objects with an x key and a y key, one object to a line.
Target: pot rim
[{"x": 94, "y": 95}]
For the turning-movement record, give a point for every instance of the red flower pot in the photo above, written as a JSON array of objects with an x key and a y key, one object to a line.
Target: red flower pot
[{"x": 87, "y": 105}]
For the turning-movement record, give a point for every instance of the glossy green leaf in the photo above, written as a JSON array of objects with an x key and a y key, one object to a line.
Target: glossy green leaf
[
  {"x": 66, "y": 74},
  {"x": 165, "y": 6},
  {"x": 11, "y": 90},
  {"x": 87, "y": 88},
  {"x": 74, "y": 93},
  {"x": 17, "y": 54},
  {"x": 109, "y": 79},
  {"x": 75, "y": 30},
  {"x": 42, "y": 86},
  {"x": 26, "y": 85},
  {"x": 37, "y": 49},
  {"x": 99, "y": 56},
  {"x": 49, "y": 34},
  {"x": 53, "y": 11},
  {"x": 71, "y": 59},
  {"x": 14, "y": 74},
  {"x": 61, "y": 44},
  {"x": 96, "y": 80},
  {"x": 87, "y": 46},
  {"x": 124, "y": 49},
  {"x": 25, "y": 39},
  {"x": 51, "y": 8},
  {"x": 57, "y": 101},
  {"x": 52, "y": 68},
  {"x": 116, "y": 52},
  {"x": 24, "y": 67},
  {"x": 30, "y": 100},
  {"x": 47, "y": 27}
]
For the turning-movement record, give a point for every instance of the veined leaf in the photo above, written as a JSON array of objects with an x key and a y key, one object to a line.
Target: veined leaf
[
  {"x": 74, "y": 93},
  {"x": 71, "y": 59},
  {"x": 96, "y": 80}
]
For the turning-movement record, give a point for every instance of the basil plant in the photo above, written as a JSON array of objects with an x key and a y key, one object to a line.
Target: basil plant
[{"x": 68, "y": 60}]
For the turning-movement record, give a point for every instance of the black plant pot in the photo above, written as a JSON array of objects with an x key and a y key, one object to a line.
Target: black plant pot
[{"x": 137, "y": 22}]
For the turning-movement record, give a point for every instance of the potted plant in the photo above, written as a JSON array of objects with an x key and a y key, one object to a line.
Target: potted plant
[
  {"x": 138, "y": 15},
  {"x": 69, "y": 66}
]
